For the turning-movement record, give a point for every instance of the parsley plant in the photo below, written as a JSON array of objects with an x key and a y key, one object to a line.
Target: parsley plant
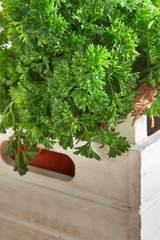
[{"x": 70, "y": 69}]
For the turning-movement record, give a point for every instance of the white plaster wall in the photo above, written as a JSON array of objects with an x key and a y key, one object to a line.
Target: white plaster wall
[{"x": 111, "y": 199}]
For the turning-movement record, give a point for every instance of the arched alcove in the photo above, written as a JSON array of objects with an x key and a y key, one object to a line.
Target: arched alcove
[{"x": 48, "y": 163}]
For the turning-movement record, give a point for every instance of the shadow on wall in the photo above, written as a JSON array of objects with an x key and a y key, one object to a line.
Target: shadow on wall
[{"x": 155, "y": 128}]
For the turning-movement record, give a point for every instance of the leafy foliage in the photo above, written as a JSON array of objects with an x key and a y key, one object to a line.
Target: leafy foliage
[{"x": 68, "y": 68}]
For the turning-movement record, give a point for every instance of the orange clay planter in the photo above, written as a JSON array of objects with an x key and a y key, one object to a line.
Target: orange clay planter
[
  {"x": 49, "y": 160},
  {"x": 54, "y": 161}
]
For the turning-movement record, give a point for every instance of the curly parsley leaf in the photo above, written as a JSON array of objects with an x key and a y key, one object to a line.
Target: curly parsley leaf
[
  {"x": 20, "y": 165},
  {"x": 119, "y": 146},
  {"x": 87, "y": 151}
]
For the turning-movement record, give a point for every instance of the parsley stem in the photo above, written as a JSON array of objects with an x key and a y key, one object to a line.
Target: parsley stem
[{"x": 7, "y": 108}]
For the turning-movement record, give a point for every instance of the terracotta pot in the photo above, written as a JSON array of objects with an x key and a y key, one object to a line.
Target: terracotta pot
[
  {"x": 49, "y": 160},
  {"x": 54, "y": 161}
]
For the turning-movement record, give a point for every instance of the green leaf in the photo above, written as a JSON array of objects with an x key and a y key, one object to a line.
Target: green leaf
[
  {"x": 119, "y": 146},
  {"x": 48, "y": 144},
  {"x": 87, "y": 151},
  {"x": 29, "y": 154},
  {"x": 2, "y": 128},
  {"x": 20, "y": 165},
  {"x": 18, "y": 94},
  {"x": 26, "y": 158},
  {"x": 11, "y": 147}
]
